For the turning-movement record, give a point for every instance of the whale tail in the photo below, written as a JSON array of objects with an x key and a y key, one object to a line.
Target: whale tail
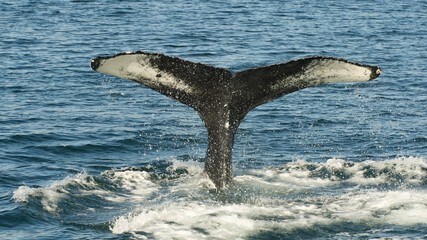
[{"x": 222, "y": 98}]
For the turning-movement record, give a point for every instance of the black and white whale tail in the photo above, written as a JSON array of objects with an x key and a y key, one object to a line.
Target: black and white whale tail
[{"x": 222, "y": 98}]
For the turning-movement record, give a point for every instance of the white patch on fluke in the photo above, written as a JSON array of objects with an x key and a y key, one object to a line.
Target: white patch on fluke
[
  {"x": 325, "y": 70},
  {"x": 334, "y": 71},
  {"x": 137, "y": 67}
]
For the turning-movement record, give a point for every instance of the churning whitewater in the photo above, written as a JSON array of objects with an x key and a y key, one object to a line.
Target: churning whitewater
[{"x": 176, "y": 196}]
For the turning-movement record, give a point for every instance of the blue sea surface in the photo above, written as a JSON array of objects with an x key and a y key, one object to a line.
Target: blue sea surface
[{"x": 88, "y": 156}]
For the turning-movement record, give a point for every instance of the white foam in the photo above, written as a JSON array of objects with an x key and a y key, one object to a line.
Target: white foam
[
  {"x": 21, "y": 194},
  {"x": 403, "y": 207},
  {"x": 185, "y": 218},
  {"x": 192, "y": 220},
  {"x": 51, "y": 194},
  {"x": 195, "y": 179},
  {"x": 129, "y": 186},
  {"x": 290, "y": 179},
  {"x": 189, "y": 221},
  {"x": 279, "y": 199},
  {"x": 193, "y": 167},
  {"x": 137, "y": 185},
  {"x": 305, "y": 175}
]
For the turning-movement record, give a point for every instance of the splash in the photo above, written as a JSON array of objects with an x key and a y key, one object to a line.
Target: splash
[
  {"x": 177, "y": 199},
  {"x": 190, "y": 220},
  {"x": 303, "y": 174},
  {"x": 51, "y": 194}
]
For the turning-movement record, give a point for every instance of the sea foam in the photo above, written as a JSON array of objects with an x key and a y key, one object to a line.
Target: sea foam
[{"x": 180, "y": 202}]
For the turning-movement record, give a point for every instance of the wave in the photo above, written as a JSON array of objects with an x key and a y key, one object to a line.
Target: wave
[
  {"x": 399, "y": 171},
  {"x": 192, "y": 220},
  {"x": 175, "y": 198}
]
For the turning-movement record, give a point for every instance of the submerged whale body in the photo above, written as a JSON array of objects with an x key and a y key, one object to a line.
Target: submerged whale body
[{"x": 222, "y": 98}]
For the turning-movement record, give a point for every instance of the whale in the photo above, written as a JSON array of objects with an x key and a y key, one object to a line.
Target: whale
[{"x": 223, "y": 98}]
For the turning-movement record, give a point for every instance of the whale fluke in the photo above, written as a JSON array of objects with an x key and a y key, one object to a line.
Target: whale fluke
[{"x": 222, "y": 98}]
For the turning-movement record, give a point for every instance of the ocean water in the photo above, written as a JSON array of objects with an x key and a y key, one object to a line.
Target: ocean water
[{"x": 87, "y": 156}]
